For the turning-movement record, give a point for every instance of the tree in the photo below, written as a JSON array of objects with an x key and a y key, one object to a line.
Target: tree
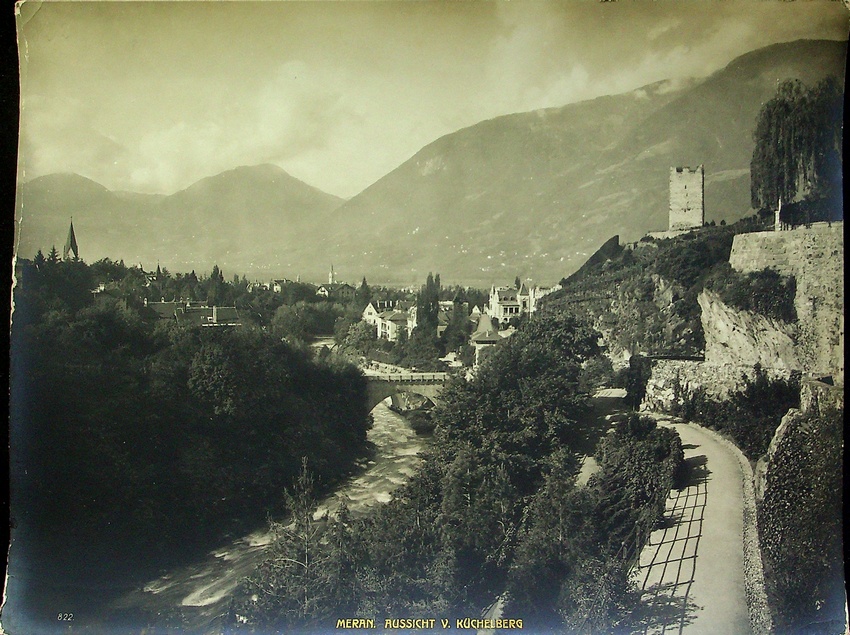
[
  {"x": 360, "y": 339},
  {"x": 424, "y": 348},
  {"x": 428, "y": 304},
  {"x": 459, "y": 327},
  {"x": 212, "y": 379},
  {"x": 362, "y": 295},
  {"x": 476, "y": 520},
  {"x": 797, "y": 154},
  {"x": 287, "y": 584}
]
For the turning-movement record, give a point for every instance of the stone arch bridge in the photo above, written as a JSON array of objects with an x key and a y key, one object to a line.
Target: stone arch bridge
[{"x": 383, "y": 385}]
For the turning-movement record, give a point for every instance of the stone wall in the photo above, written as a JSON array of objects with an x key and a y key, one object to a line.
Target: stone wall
[
  {"x": 815, "y": 257},
  {"x": 673, "y": 380},
  {"x": 818, "y": 397},
  {"x": 686, "y": 198}
]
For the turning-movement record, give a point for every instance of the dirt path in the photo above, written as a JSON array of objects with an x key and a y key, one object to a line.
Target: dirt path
[{"x": 692, "y": 570}]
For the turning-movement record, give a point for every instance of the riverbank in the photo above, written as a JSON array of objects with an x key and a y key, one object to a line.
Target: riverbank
[{"x": 194, "y": 597}]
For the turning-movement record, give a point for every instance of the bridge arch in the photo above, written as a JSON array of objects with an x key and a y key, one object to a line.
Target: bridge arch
[{"x": 382, "y": 386}]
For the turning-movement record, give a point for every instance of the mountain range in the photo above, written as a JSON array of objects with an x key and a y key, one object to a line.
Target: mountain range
[{"x": 529, "y": 194}]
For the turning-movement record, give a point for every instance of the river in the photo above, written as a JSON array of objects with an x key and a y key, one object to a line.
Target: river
[{"x": 198, "y": 594}]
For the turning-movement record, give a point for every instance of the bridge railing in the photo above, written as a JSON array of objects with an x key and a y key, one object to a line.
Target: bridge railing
[{"x": 412, "y": 377}]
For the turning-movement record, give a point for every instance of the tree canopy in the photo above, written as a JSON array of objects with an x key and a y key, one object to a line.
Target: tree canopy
[{"x": 797, "y": 153}]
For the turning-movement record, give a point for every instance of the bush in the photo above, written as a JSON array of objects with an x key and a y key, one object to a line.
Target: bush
[
  {"x": 764, "y": 292},
  {"x": 748, "y": 417},
  {"x": 800, "y": 526},
  {"x": 597, "y": 372}
]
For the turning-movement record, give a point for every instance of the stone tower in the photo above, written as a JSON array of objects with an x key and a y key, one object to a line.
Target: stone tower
[{"x": 687, "y": 208}]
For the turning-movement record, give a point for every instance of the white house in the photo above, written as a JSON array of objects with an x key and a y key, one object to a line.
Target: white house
[
  {"x": 509, "y": 302},
  {"x": 391, "y": 323}
]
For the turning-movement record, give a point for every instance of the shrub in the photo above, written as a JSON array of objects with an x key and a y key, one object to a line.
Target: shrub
[
  {"x": 800, "y": 526},
  {"x": 750, "y": 416},
  {"x": 764, "y": 292},
  {"x": 637, "y": 376}
]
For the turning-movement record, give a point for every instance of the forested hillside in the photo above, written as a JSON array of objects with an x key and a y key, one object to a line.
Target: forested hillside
[
  {"x": 643, "y": 299},
  {"x": 136, "y": 443}
]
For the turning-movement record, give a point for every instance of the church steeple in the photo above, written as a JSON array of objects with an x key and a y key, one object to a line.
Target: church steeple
[{"x": 71, "y": 243}]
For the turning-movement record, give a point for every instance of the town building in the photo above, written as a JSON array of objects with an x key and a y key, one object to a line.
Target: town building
[
  {"x": 337, "y": 291},
  {"x": 504, "y": 304},
  {"x": 278, "y": 285},
  {"x": 208, "y": 316},
  {"x": 391, "y": 323},
  {"x": 192, "y": 313},
  {"x": 371, "y": 314},
  {"x": 161, "y": 310},
  {"x": 509, "y": 302},
  {"x": 485, "y": 336}
]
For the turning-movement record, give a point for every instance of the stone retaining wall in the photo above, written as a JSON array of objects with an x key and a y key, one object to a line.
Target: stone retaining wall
[
  {"x": 815, "y": 257},
  {"x": 672, "y": 381}
]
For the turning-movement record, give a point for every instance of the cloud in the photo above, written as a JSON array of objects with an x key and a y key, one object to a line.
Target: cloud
[
  {"x": 57, "y": 132},
  {"x": 339, "y": 94},
  {"x": 294, "y": 110},
  {"x": 663, "y": 27}
]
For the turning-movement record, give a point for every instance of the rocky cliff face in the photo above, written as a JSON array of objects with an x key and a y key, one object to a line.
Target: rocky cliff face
[{"x": 741, "y": 338}]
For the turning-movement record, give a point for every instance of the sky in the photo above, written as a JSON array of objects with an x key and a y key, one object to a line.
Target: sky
[{"x": 153, "y": 96}]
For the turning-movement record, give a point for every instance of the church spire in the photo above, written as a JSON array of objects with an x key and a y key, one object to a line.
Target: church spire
[{"x": 71, "y": 243}]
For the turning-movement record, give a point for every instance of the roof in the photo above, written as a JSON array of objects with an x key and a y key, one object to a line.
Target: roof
[
  {"x": 226, "y": 314},
  {"x": 164, "y": 310},
  {"x": 207, "y": 315},
  {"x": 485, "y": 333},
  {"x": 504, "y": 294},
  {"x": 394, "y": 316},
  {"x": 336, "y": 286},
  {"x": 194, "y": 315}
]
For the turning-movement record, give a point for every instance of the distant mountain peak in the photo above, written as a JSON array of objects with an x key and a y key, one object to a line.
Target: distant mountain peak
[{"x": 64, "y": 180}]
